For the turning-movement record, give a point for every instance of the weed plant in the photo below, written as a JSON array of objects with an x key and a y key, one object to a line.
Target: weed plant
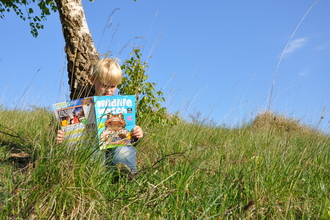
[{"x": 266, "y": 170}]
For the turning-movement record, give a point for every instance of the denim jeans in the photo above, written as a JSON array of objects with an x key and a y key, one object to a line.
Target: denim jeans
[{"x": 125, "y": 155}]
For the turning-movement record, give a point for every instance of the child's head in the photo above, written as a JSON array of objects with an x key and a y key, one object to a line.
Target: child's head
[{"x": 106, "y": 76}]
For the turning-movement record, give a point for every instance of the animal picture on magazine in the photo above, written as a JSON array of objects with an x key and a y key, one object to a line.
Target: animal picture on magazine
[{"x": 115, "y": 118}]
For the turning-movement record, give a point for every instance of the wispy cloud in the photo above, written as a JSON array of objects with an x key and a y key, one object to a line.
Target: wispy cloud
[
  {"x": 302, "y": 74},
  {"x": 294, "y": 45},
  {"x": 323, "y": 47}
]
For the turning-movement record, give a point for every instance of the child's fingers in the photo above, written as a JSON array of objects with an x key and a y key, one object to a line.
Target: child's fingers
[
  {"x": 138, "y": 136},
  {"x": 60, "y": 136},
  {"x": 137, "y": 132},
  {"x": 59, "y": 140}
]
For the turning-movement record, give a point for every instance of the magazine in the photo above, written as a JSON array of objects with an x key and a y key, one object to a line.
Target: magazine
[
  {"x": 76, "y": 119},
  {"x": 115, "y": 119},
  {"x": 110, "y": 118}
]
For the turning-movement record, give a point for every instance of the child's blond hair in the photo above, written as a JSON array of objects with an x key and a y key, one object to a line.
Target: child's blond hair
[{"x": 108, "y": 72}]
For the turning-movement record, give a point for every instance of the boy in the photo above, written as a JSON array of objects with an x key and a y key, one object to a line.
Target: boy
[{"x": 106, "y": 76}]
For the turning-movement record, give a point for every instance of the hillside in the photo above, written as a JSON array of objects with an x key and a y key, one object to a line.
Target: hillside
[{"x": 274, "y": 168}]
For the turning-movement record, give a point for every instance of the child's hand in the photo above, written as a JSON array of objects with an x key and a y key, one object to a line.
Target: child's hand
[
  {"x": 60, "y": 136},
  {"x": 137, "y": 132}
]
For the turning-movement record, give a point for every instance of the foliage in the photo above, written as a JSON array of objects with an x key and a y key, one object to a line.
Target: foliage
[
  {"x": 190, "y": 171},
  {"x": 19, "y": 6},
  {"x": 26, "y": 10},
  {"x": 148, "y": 100}
]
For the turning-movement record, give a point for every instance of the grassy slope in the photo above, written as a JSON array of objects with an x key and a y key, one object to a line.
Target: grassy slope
[{"x": 276, "y": 169}]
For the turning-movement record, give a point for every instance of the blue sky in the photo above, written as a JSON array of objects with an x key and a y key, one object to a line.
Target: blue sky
[{"x": 215, "y": 59}]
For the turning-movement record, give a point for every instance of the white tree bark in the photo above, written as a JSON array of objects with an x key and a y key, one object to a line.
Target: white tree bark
[{"x": 80, "y": 48}]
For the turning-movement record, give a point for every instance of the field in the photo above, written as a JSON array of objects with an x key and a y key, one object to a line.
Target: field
[{"x": 273, "y": 168}]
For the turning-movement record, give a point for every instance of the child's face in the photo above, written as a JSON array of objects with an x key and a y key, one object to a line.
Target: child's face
[{"x": 104, "y": 89}]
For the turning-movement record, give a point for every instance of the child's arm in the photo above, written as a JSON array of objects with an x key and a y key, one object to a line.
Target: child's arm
[{"x": 60, "y": 136}]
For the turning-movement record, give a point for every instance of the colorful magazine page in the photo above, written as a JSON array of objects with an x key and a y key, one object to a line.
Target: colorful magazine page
[
  {"x": 77, "y": 119},
  {"x": 115, "y": 119}
]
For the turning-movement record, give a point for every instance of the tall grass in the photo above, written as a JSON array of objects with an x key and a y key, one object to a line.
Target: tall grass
[{"x": 274, "y": 168}]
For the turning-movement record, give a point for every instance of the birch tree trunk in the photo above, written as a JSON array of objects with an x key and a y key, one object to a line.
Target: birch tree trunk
[{"x": 79, "y": 47}]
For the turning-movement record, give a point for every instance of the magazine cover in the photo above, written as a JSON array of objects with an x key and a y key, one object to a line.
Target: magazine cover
[
  {"x": 115, "y": 119},
  {"x": 77, "y": 119}
]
